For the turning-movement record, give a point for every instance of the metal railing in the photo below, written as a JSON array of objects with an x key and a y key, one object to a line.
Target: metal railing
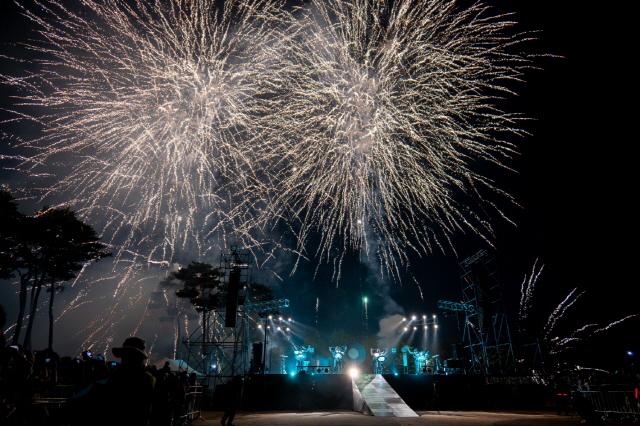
[
  {"x": 193, "y": 407},
  {"x": 614, "y": 404}
]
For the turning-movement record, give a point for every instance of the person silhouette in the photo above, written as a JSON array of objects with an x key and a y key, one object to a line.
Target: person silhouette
[
  {"x": 130, "y": 388},
  {"x": 232, "y": 400}
]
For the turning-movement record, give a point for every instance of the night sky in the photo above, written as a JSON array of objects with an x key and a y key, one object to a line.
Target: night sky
[{"x": 575, "y": 184}]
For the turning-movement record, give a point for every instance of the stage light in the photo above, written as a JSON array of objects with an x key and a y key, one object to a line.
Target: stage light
[
  {"x": 260, "y": 326},
  {"x": 413, "y": 318},
  {"x": 354, "y": 373},
  {"x": 292, "y": 374},
  {"x": 630, "y": 353},
  {"x": 434, "y": 316},
  {"x": 424, "y": 317},
  {"x": 404, "y": 319},
  {"x": 396, "y": 374},
  {"x": 279, "y": 318},
  {"x": 278, "y": 329},
  {"x": 406, "y": 329},
  {"x": 435, "y": 325},
  {"x": 290, "y": 319},
  {"x": 415, "y": 328},
  {"x": 382, "y": 358},
  {"x": 269, "y": 327},
  {"x": 425, "y": 327},
  {"x": 288, "y": 329},
  {"x": 365, "y": 299},
  {"x": 270, "y": 316}
]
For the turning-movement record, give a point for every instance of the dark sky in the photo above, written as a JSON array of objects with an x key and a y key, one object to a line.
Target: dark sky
[{"x": 576, "y": 182}]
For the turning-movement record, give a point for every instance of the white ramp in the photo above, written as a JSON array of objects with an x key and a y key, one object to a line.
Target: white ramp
[{"x": 372, "y": 394}]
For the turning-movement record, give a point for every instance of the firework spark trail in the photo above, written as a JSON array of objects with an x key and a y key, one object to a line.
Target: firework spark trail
[
  {"x": 614, "y": 323},
  {"x": 584, "y": 329},
  {"x": 151, "y": 108},
  {"x": 560, "y": 311},
  {"x": 559, "y": 345},
  {"x": 418, "y": 286},
  {"x": 383, "y": 118},
  {"x": 527, "y": 291}
]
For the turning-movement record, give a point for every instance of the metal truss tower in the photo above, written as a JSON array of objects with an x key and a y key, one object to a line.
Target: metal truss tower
[{"x": 486, "y": 336}]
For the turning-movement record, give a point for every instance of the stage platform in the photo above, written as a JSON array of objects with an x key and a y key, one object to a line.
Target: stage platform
[
  {"x": 442, "y": 418},
  {"x": 435, "y": 392},
  {"x": 302, "y": 392},
  {"x": 307, "y": 392}
]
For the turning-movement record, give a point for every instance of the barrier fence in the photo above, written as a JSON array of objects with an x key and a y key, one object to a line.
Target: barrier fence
[
  {"x": 614, "y": 404},
  {"x": 193, "y": 398}
]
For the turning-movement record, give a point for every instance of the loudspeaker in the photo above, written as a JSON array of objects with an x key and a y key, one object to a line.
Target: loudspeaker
[{"x": 233, "y": 288}]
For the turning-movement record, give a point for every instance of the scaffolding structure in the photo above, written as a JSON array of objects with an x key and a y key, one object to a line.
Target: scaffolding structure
[
  {"x": 220, "y": 347},
  {"x": 213, "y": 349},
  {"x": 486, "y": 335}
]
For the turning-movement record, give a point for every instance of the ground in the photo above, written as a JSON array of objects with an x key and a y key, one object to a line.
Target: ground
[{"x": 445, "y": 418}]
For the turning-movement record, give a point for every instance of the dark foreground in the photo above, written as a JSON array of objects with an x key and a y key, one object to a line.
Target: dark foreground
[{"x": 465, "y": 418}]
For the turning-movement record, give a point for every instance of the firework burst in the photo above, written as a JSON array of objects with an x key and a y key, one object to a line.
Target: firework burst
[
  {"x": 147, "y": 112},
  {"x": 386, "y": 112}
]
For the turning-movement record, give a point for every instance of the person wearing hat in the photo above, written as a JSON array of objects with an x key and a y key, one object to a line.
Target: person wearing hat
[{"x": 131, "y": 387}]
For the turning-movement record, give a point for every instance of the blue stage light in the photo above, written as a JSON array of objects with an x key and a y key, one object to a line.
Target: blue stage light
[{"x": 630, "y": 353}]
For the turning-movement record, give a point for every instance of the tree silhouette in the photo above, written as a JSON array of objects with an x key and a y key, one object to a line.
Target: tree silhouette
[
  {"x": 13, "y": 253},
  {"x": 44, "y": 250},
  {"x": 9, "y": 233},
  {"x": 201, "y": 284},
  {"x": 66, "y": 245}
]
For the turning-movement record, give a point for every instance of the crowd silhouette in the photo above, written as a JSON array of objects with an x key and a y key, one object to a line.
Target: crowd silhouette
[{"x": 42, "y": 388}]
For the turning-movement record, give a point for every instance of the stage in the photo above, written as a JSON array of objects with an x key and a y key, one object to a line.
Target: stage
[
  {"x": 443, "y": 418},
  {"x": 337, "y": 392}
]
